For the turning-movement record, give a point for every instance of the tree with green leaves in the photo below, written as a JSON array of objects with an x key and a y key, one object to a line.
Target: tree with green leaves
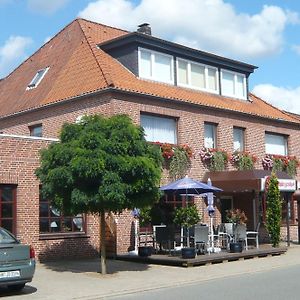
[
  {"x": 274, "y": 207},
  {"x": 101, "y": 165}
]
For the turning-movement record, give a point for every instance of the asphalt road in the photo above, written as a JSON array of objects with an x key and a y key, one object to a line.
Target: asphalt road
[
  {"x": 273, "y": 277},
  {"x": 279, "y": 283}
]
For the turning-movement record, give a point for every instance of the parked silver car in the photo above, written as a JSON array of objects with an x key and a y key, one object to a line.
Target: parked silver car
[{"x": 17, "y": 262}]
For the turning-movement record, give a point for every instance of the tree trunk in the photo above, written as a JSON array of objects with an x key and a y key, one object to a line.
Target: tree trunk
[{"x": 102, "y": 241}]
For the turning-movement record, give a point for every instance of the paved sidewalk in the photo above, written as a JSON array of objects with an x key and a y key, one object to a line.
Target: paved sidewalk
[{"x": 80, "y": 279}]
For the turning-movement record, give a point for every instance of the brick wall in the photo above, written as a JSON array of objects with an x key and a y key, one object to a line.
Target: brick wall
[{"x": 20, "y": 157}]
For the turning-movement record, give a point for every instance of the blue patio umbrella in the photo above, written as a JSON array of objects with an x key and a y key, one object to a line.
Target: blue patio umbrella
[{"x": 189, "y": 186}]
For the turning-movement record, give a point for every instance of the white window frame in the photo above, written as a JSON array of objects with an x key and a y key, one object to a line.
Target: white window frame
[
  {"x": 189, "y": 85},
  {"x": 243, "y": 137},
  {"x": 235, "y": 83},
  {"x": 30, "y": 85},
  {"x": 285, "y": 137},
  {"x": 162, "y": 117},
  {"x": 215, "y": 139},
  {"x": 152, "y": 65}
]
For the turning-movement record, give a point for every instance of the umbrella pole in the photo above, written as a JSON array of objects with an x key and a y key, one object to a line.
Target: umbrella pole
[
  {"x": 181, "y": 236},
  {"x": 211, "y": 234},
  {"x": 136, "y": 235}
]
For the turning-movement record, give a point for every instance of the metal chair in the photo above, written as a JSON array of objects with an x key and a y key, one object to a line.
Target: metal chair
[
  {"x": 201, "y": 238},
  {"x": 229, "y": 231},
  {"x": 240, "y": 234},
  {"x": 164, "y": 236},
  {"x": 222, "y": 237},
  {"x": 253, "y": 235}
]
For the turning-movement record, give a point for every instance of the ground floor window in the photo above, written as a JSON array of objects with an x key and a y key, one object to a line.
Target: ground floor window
[
  {"x": 53, "y": 221},
  {"x": 8, "y": 207},
  {"x": 287, "y": 209}
]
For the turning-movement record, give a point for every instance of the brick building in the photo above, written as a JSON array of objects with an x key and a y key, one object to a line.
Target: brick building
[{"x": 178, "y": 94}]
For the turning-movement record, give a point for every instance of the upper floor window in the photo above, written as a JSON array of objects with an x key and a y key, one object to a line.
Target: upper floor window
[
  {"x": 238, "y": 139},
  {"x": 156, "y": 66},
  {"x": 233, "y": 84},
  {"x": 276, "y": 144},
  {"x": 36, "y": 130},
  {"x": 210, "y": 135},
  {"x": 198, "y": 76},
  {"x": 159, "y": 129},
  {"x": 37, "y": 78},
  {"x": 53, "y": 221}
]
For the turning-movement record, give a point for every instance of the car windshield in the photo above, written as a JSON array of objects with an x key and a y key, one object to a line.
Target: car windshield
[{"x": 6, "y": 237}]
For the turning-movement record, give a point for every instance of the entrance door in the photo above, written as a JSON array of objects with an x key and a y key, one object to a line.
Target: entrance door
[{"x": 226, "y": 204}]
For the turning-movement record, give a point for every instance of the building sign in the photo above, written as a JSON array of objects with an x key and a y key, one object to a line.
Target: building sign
[{"x": 285, "y": 185}]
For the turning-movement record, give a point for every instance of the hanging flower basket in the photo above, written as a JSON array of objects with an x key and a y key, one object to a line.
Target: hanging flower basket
[
  {"x": 243, "y": 160},
  {"x": 284, "y": 163},
  {"x": 214, "y": 159},
  {"x": 168, "y": 150}
]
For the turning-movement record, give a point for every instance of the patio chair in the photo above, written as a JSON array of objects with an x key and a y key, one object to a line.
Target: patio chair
[
  {"x": 222, "y": 237},
  {"x": 240, "y": 235},
  {"x": 253, "y": 235},
  {"x": 201, "y": 238},
  {"x": 229, "y": 230},
  {"x": 164, "y": 236}
]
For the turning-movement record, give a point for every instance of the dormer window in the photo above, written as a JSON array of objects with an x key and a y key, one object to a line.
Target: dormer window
[
  {"x": 197, "y": 76},
  {"x": 36, "y": 130},
  {"x": 156, "y": 66},
  {"x": 233, "y": 84},
  {"x": 37, "y": 78}
]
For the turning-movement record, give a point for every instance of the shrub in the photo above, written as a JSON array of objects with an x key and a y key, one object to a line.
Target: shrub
[{"x": 273, "y": 214}]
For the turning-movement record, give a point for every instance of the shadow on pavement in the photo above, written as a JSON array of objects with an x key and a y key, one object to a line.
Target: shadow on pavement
[
  {"x": 28, "y": 289},
  {"x": 93, "y": 266}
]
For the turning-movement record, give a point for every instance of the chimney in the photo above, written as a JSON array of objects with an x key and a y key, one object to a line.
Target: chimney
[{"x": 144, "y": 28}]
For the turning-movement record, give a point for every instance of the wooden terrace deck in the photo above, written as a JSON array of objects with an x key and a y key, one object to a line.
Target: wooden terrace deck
[{"x": 200, "y": 260}]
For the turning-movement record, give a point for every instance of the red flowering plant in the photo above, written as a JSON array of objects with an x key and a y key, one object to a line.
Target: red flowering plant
[
  {"x": 188, "y": 150},
  {"x": 284, "y": 163},
  {"x": 177, "y": 158},
  {"x": 243, "y": 160},
  {"x": 214, "y": 159},
  {"x": 168, "y": 150},
  {"x": 236, "y": 216}
]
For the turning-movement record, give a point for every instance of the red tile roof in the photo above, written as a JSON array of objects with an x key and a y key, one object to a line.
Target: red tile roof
[{"x": 78, "y": 66}]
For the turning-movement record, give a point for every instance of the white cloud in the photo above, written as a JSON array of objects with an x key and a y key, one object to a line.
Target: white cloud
[
  {"x": 12, "y": 53},
  {"x": 46, "y": 6},
  {"x": 281, "y": 97},
  {"x": 210, "y": 25}
]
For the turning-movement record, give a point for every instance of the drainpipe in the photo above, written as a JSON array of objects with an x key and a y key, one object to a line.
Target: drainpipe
[
  {"x": 287, "y": 196},
  {"x": 297, "y": 197}
]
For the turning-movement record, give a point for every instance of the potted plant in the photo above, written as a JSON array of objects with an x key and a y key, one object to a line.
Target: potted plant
[
  {"x": 236, "y": 216},
  {"x": 187, "y": 217}
]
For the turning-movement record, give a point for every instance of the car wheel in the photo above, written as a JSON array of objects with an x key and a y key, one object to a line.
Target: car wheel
[{"x": 16, "y": 287}]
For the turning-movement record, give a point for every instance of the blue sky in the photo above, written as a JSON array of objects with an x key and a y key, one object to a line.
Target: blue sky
[{"x": 263, "y": 33}]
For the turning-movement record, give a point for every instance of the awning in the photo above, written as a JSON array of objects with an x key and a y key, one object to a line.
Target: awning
[{"x": 247, "y": 181}]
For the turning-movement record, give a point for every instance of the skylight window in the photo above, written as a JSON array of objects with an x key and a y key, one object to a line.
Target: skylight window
[{"x": 37, "y": 78}]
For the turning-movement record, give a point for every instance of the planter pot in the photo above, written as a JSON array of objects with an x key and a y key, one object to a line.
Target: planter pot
[
  {"x": 188, "y": 252},
  {"x": 145, "y": 251},
  {"x": 236, "y": 247}
]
